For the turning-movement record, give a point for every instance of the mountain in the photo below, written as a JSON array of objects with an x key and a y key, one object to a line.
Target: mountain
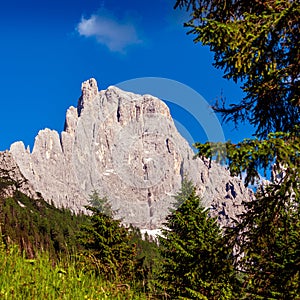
[{"x": 126, "y": 147}]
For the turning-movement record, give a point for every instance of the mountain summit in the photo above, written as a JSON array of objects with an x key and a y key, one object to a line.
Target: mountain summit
[{"x": 126, "y": 147}]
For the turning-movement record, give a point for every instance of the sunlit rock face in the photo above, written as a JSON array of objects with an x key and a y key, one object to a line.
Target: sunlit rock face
[
  {"x": 126, "y": 147},
  {"x": 11, "y": 178}
]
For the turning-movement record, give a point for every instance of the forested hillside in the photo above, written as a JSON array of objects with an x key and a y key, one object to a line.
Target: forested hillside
[{"x": 35, "y": 225}]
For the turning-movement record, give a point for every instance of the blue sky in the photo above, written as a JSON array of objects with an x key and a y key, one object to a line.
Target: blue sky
[{"x": 49, "y": 47}]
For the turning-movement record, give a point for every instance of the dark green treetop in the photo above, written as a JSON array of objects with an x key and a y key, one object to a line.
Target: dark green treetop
[
  {"x": 107, "y": 243},
  {"x": 267, "y": 243},
  {"x": 196, "y": 263},
  {"x": 100, "y": 203}
]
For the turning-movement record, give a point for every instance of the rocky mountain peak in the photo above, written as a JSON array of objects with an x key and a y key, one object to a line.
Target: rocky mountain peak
[
  {"x": 89, "y": 90},
  {"x": 126, "y": 147}
]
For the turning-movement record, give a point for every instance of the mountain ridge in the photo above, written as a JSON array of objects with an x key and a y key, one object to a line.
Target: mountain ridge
[{"x": 127, "y": 148}]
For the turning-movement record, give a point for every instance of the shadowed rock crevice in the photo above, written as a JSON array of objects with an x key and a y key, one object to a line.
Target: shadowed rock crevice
[{"x": 118, "y": 111}]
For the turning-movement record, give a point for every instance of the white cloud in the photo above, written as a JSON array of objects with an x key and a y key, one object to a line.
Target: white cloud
[{"x": 116, "y": 35}]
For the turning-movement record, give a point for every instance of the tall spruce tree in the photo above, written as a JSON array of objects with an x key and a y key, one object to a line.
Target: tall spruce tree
[
  {"x": 257, "y": 43},
  {"x": 196, "y": 262},
  {"x": 268, "y": 243}
]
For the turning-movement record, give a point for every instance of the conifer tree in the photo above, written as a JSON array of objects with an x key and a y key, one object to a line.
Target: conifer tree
[
  {"x": 101, "y": 204},
  {"x": 109, "y": 244},
  {"x": 183, "y": 194},
  {"x": 196, "y": 263},
  {"x": 256, "y": 43},
  {"x": 268, "y": 239}
]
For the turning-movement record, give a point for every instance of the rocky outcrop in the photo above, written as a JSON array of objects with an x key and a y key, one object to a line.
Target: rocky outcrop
[
  {"x": 11, "y": 178},
  {"x": 126, "y": 147}
]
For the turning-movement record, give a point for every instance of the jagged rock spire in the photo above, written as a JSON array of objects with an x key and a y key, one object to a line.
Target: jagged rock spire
[{"x": 89, "y": 90}]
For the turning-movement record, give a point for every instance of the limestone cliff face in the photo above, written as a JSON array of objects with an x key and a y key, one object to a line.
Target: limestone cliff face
[
  {"x": 126, "y": 147},
  {"x": 12, "y": 178}
]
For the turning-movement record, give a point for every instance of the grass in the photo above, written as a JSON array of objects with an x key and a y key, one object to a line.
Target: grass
[{"x": 40, "y": 278}]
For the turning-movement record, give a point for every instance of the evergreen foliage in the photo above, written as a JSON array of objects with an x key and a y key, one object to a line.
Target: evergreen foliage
[
  {"x": 107, "y": 242},
  {"x": 267, "y": 240},
  {"x": 256, "y": 43},
  {"x": 187, "y": 189},
  {"x": 279, "y": 152},
  {"x": 101, "y": 204},
  {"x": 267, "y": 235},
  {"x": 147, "y": 259},
  {"x": 196, "y": 262},
  {"x": 116, "y": 252},
  {"x": 36, "y": 225}
]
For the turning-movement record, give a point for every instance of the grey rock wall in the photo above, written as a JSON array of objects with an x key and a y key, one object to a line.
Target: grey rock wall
[
  {"x": 126, "y": 147},
  {"x": 10, "y": 173}
]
